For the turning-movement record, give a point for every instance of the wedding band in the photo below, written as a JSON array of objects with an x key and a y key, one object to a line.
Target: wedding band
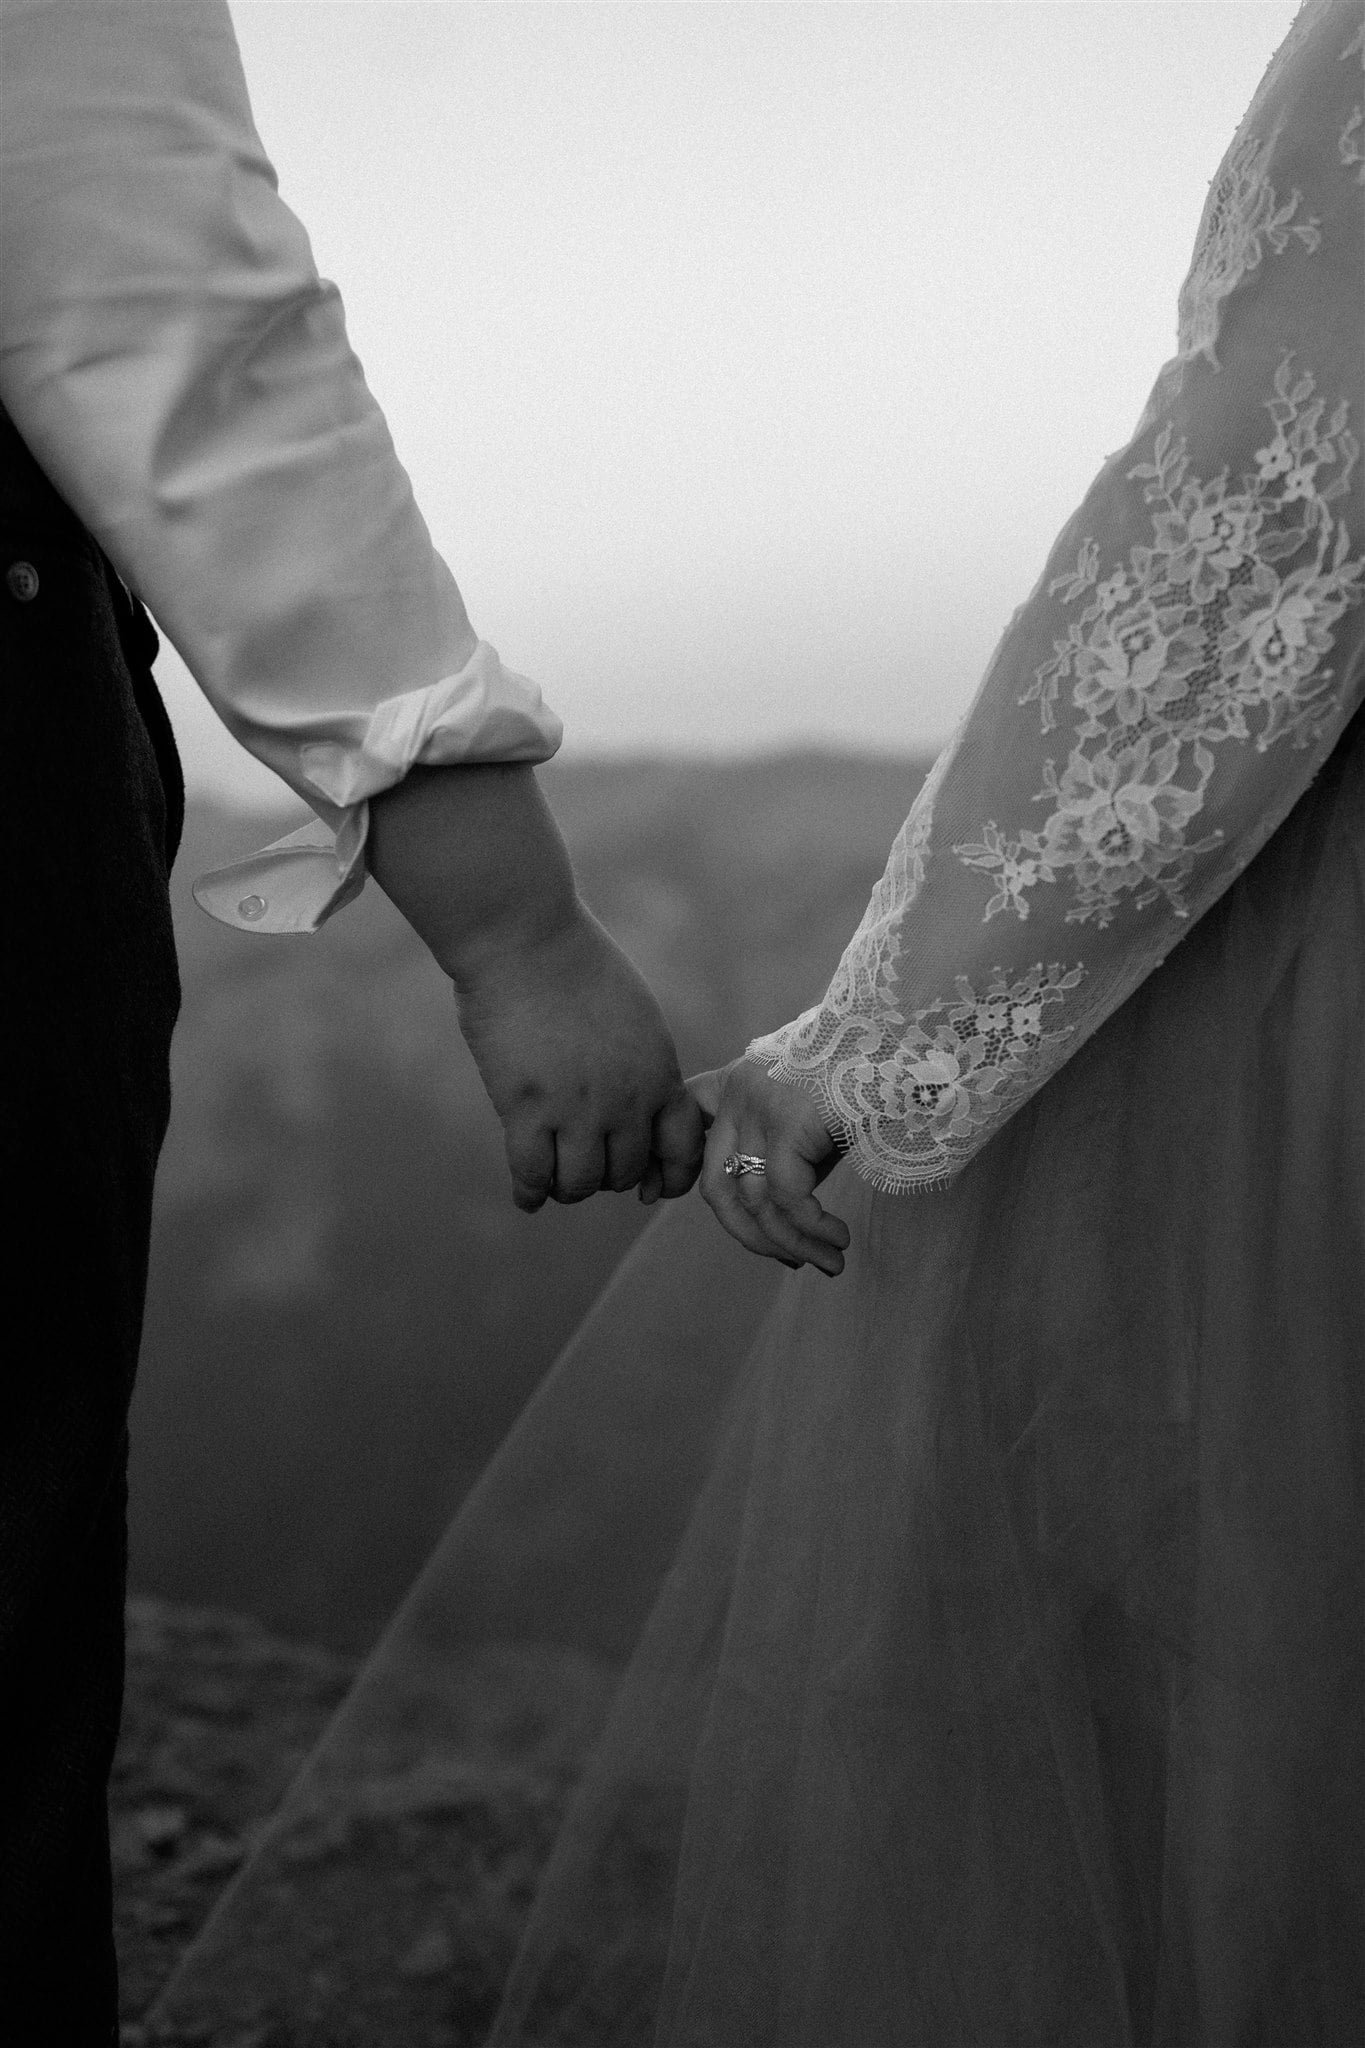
[{"x": 743, "y": 1162}]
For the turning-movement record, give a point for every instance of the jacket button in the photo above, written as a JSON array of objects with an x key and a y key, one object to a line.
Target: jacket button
[
  {"x": 252, "y": 907},
  {"x": 21, "y": 580}
]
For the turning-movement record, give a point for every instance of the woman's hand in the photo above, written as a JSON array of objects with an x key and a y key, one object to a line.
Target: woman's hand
[{"x": 774, "y": 1213}]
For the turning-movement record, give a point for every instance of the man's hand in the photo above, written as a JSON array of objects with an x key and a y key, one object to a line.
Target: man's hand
[
  {"x": 570, "y": 1043},
  {"x": 579, "y": 1065},
  {"x": 774, "y": 1213}
]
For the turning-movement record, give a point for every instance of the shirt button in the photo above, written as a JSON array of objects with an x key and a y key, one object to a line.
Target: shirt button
[
  {"x": 21, "y": 580},
  {"x": 251, "y": 908}
]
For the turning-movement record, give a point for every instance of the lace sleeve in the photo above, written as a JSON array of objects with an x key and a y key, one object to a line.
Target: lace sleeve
[{"x": 1186, "y": 663}]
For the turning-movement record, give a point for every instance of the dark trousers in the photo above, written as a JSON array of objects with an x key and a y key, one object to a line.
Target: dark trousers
[{"x": 90, "y": 812}]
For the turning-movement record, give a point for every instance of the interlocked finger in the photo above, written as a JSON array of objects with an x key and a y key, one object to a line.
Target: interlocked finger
[
  {"x": 579, "y": 1166},
  {"x": 679, "y": 1136},
  {"x": 531, "y": 1161},
  {"x": 627, "y": 1159}
]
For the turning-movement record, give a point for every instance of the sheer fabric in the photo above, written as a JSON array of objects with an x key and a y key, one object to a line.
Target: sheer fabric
[
  {"x": 974, "y": 1656},
  {"x": 1008, "y": 1685},
  {"x": 1186, "y": 664},
  {"x": 387, "y": 1901},
  {"x": 967, "y": 1652}
]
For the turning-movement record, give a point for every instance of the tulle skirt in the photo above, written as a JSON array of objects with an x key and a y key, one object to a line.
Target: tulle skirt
[{"x": 967, "y": 1652}]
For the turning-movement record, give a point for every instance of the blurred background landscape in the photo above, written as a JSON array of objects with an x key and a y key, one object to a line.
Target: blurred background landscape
[
  {"x": 346, "y": 1313},
  {"x": 745, "y": 397}
]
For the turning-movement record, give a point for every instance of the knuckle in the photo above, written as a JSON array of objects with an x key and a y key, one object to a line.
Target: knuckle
[{"x": 682, "y": 1148}]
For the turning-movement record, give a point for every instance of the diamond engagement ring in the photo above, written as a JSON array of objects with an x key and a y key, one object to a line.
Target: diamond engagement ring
[{"x": 739, "y": 1163}]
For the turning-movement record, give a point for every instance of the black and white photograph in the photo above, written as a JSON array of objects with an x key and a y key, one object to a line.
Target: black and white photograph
[{"x": 684, "y": 1021}]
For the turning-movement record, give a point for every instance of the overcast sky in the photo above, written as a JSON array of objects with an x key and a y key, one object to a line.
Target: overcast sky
[{"x": 747, "y": 358}]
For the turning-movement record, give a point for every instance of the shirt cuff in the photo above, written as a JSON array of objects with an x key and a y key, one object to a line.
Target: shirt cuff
[
  {"x": 484, "y": 712},
  {"x": 293, "y": 885}
]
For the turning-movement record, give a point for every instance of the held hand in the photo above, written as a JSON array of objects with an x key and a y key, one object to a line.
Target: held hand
[
  {"x": 567, "y": 1037},
  {"x": 580, "y": 1067},
  {"x": 775, "y": 1212}
]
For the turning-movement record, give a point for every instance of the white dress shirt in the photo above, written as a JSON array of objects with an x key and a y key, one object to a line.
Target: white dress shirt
[{"x": 182, "y": 374}]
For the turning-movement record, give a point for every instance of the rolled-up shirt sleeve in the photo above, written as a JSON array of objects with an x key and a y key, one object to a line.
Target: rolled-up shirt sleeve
[{"x": 174, "y": 361}]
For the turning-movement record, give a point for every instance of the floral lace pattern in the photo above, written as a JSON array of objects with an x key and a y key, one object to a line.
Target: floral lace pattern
[
  {"x": 1351, "y": 140},
  {"x": 869, "y": 961},
  {"x": 915, "y": 1094},
  {"x": 1244, "y": 216},
  {"x": 1217, "y": 630},
  {"x": 1163, "y": 699}
]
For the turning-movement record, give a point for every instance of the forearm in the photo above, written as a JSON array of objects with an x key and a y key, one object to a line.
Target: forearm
[
  {"x": 475, "y": 862},
  {"x": 1191, "y": 655},
  {"x": 573, "y": 1051},
  {"x": 183, "y": 375}
]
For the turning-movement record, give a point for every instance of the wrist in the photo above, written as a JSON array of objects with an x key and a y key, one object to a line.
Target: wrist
[
  {"x": 474, "y": 861},
  {"x": 541, "y": 925}
]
